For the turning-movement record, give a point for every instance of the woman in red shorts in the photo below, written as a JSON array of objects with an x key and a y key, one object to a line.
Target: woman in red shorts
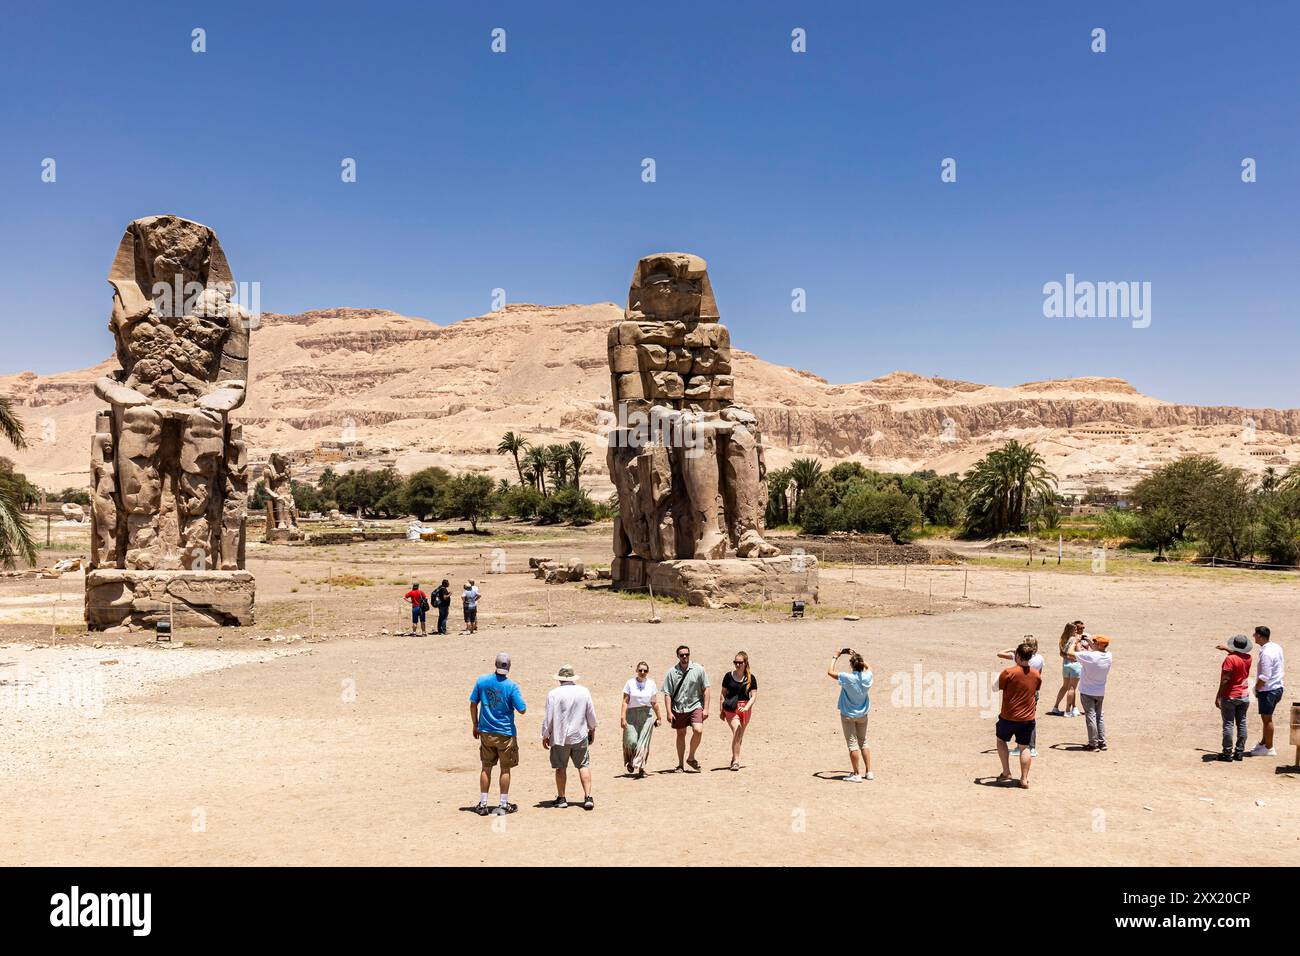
[{"x": 739, "y": 691}]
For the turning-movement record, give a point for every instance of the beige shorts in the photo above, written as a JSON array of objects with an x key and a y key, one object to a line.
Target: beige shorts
[
  {"x": 498, "y": 747},
  {"x": 855, "y": 732}
]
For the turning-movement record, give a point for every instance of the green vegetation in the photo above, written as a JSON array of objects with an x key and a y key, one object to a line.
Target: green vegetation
[
  {"x": 1009, "y": 490},
  {"x": 17, "y": 495},
  {"x": 851, "y": 497},
  {"x": 548, "y": 490}
]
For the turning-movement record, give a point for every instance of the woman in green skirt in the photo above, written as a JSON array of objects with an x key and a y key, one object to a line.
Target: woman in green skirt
[{"x": 639, "y": 718}]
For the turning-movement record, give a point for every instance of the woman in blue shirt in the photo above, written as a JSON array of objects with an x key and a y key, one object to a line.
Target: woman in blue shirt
[{"x": 854, "y": 702}]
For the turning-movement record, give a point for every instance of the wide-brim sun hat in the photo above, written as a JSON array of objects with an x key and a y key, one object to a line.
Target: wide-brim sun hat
[
  {"x": 1239, "y": 644},
  {"x": 562, "y": 676}
]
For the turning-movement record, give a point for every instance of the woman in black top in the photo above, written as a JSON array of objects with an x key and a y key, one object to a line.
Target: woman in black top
[{"x": 736, "y": 706}]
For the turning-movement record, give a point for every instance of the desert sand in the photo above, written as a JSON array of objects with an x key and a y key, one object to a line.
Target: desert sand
[{"x": 246, "y": 746}]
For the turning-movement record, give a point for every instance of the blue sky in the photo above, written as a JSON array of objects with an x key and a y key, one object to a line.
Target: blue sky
[{"x": 819, "y": 171}]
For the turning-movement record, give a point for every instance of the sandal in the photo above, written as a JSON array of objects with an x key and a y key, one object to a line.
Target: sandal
[
  {"x": 693, "y": 764},
  {"x": 735, "y": 765}
]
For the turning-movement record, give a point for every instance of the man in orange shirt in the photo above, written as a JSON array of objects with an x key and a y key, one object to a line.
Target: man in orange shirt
[{"x": 1019, "y": 684}]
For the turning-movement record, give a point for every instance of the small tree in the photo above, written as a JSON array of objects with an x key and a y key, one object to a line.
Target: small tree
[
  {"x": 471, "y": 497},
  {"x": 425, "y": 493}
]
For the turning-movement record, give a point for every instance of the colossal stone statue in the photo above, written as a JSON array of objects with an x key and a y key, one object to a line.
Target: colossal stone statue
[
  {"x": 687, "y": 462},
  {"x": 168, "y": 467},
  {"x": 281, "y": 512}
]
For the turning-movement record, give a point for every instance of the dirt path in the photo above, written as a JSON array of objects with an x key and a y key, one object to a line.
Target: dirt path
[{"x": 277, "y": 761}]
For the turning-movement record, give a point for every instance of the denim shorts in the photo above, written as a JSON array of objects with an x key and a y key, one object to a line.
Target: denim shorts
[{"x": 1268, "y": 700}]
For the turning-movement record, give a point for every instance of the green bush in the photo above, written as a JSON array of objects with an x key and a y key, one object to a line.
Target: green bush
[
  {"x": 520, "y": 501},
  {"x": 74, "y": 496},
  {"x": 568, "y": 504},
  {"x": 869, "y": 511}
]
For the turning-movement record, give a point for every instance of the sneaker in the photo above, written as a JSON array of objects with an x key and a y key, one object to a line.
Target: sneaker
[
  {"x": 870, "y": 775},
  {"x": 853, "y": 778},
  {"x": 1015, "y": 752},
  {"x": 1225, "y": 757},
  {"x": 560, "y": 803},
  {"x": 1055, "y": 712},
  {"x": 1262, "y": 751},
  {"x": 1033, "y": 751},
  {"x": 505, "y": 808},
  {"x": 1239, "y": 755},
  {"x": 1076, "y": 712},
  {"x": 589, "y": 804},
  {"x": 482, "y": 809},
  {"x": 1101, "y": 745}
]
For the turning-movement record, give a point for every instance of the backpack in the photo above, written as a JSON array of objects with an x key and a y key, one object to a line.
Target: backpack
[{"x": 424, "y": 602}]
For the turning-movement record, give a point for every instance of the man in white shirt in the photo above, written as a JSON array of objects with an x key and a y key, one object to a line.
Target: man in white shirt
[
  {"x": 1268, "y": 688},
  {"x": 568, "y": 728},
  {"x": 1095, "y": 662}
]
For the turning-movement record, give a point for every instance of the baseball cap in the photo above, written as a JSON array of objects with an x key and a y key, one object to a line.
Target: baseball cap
[{"x": 503, "y": 664}]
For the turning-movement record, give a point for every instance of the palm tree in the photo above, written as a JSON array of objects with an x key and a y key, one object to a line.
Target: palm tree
[
  {"x": 804, "y": 472},
  {"x": 512, "y": 444},
  {"x": 1006, "y": 490},
  {"x": 578, "y": 453},
  {"x": 557, "y": 459},
  {"x": 15, "y": 534},
  {"x": 536, "y": 459}
]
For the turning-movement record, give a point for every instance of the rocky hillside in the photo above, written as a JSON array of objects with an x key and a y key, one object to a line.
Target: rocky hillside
[{"x": 400, "y": 390}]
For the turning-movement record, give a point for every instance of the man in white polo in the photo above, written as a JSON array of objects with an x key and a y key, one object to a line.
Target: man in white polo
[
  {"x": 568, "y": 728},
  {"x": 1269, "y": 672}
]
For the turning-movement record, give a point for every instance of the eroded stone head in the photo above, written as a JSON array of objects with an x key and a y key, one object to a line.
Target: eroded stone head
[
  {"x": 672, "y": 286},
  {"x": 177, "y": 333}
]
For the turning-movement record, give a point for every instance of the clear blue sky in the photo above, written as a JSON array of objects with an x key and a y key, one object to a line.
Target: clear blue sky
[{"x": 818, "y": 171}]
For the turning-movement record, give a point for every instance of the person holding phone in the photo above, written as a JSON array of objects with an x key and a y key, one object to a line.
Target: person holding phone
[{"x": 854, "y": 704}]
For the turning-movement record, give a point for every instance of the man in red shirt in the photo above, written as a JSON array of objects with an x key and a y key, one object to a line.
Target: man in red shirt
[
  {"x": 1019, "y": 684},
  {"x": 419, "y": 607},
  {"x": 1232, "y": 699}
]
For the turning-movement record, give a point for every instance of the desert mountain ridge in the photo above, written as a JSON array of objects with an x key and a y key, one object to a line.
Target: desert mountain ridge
[{"x": 350, "y": 387}]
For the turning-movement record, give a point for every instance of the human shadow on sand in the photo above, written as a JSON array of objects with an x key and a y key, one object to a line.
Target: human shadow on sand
[
  {"x": 1013, "y": 783},
  {"x": 839, "y": 776}
]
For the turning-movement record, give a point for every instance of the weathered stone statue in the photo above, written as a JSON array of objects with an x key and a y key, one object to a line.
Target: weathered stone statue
[
  {"x": 687, "y": 462},
  {"x": 168, "y": 467},
  {"x": 281, "y": 512}
]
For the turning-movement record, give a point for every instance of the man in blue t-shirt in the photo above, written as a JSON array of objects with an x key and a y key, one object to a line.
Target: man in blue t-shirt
[{"x": 492, "y": 706}]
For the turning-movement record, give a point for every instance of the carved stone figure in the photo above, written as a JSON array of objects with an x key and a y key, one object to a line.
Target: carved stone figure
[
  {"x": 687, "y": 462},
  {"x": 169, "y": 468},
  {"x": 281, "y": 512}
]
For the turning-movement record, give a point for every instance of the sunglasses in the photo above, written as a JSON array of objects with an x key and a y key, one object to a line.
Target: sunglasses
[
  {"x": 683, "y": 656},
  {"x": 739, "y": 663},
  {"x": 643, "y": 670}
]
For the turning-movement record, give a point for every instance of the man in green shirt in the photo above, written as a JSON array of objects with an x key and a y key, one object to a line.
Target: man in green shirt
[{"x": 686, "y": 696}]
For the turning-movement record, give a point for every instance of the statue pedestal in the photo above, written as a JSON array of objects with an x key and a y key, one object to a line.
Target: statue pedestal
[
  {"x": 197, "y": 598},
  {"x": 726, "y": 582},
  {"x": 283, "y": 536}
]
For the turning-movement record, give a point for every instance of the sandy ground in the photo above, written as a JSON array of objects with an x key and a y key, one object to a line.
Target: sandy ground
[{"x": 316, "y": 738}]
